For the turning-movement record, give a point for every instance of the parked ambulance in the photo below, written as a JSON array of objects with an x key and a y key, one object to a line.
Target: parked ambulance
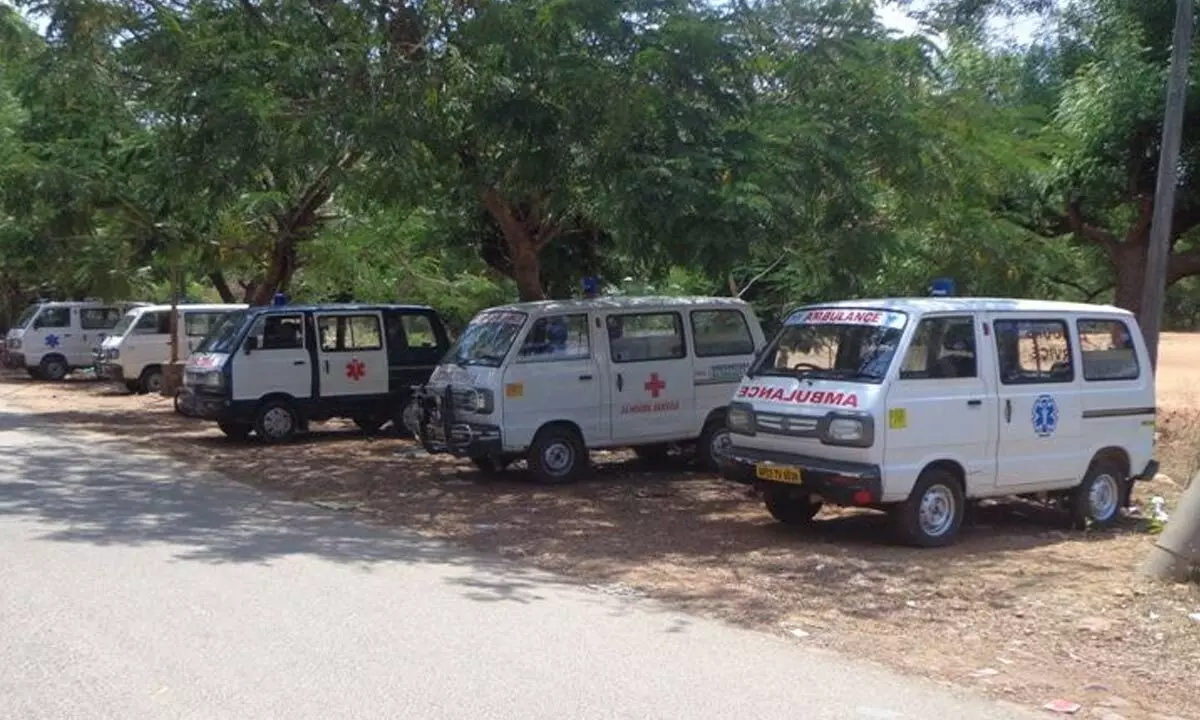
[
  {"x": 272, "y": 370},
  {"x": 136, "y": 350},
  {"x": 549, "y": 381},
  {"x": 51, "y": 339},
  {"x": 917, "y": 406}
]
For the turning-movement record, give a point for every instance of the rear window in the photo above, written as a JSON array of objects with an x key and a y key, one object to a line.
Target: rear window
[
  {"x": 1107, "y": 350},
  {"x": 718, "y": 333}
]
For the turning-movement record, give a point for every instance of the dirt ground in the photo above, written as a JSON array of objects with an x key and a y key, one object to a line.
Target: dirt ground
[{"x": 1021, "y": 609}]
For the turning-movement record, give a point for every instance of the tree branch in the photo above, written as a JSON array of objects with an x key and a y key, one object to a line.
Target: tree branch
[
  {"x": 1086, "y": 231},
  {"x": 762, "y": 274},
  {"x": 1182, "y": 265},
  {"x": 1088, "y": 293}
]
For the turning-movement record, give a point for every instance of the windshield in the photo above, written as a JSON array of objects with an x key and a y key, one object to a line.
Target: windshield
[
  {"x": 26, "y": 316},
  {"x": 486, "y": 340},
  {"x": 124, "y": 324},
  {"x": 223, "y": 337},
  {"x": 834, "y": 344}
]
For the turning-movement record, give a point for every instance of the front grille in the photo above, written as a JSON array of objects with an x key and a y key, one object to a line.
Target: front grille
[{"x": 782, "y": 424}]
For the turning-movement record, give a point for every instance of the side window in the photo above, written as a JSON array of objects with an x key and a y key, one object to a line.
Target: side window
[
  {"x": 349, "y": 333},
  {"x": 1108, "y": 351},
  {"x": 54, "y": 317},
  {"x": 199, "y": 324},
  {"x": 721, "y": 332},
  {"x": 99, "y": 318},
  {"x": 418, "y": 331},
  {"x": 638, "y": 337},
  {"x": 557, "y": 337},
  {"x": 281, "y": 332},
  {"x": 942, "y": 348},
  {"x": 149, "y": 322},
  {"x": 1034, "y": 351}
]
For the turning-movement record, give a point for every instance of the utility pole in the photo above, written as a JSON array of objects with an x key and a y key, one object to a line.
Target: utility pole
[
  {"x": 1159, "y": 251},
  {"x": 1176, "y": 552}
]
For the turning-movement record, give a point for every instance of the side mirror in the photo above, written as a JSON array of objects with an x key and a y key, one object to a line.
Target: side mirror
[
  {"x": 37, "y": 323},
  {"x": 251, "y": 344}
]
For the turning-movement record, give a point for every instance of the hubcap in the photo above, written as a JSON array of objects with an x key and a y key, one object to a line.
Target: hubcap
[
  {"x": 277, "y": 422},
  {"x": 1103, "y": 497},
  {"x": 720, "y": 444},
  {"x": 154, "y": 383},
  {"x": 558, "y": 458},
  {"x": 937, "y": 511},
  {"x": 55, "y": 370}
]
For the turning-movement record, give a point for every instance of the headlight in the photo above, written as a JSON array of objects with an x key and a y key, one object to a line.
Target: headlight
[
  {"x": 846, "y": 429},
  {"x": 850, "y": 430},
  {"x": 112, "y": 353},
  {"x": 15, "y": 343},
  {"x": 480, "y": 401},
  {"x": 740, "y": 419},
  {"x": 209, "y": 379}
]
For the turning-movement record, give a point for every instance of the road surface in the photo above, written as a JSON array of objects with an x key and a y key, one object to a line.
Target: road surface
[{"x": 133, "y": 587}]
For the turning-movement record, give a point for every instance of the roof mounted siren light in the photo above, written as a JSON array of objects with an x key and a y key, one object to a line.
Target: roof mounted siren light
[
  {"x": 942, "y": 287},
  {"x": 279, "y": 300},
  {"x": 589, "y": 287}
]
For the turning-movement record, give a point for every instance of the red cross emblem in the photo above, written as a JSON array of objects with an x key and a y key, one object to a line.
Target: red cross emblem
[
  {"x": 654, "y": 386},
  {"x": 356, "y": 370}
]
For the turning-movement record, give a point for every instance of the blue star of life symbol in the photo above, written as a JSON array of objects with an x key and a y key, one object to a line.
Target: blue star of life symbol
[
  {"x": 1045, "y": 416},
  {"x": 52, "y": 341}
]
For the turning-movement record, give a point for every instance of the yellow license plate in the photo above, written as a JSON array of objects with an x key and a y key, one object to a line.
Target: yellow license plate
[{"x": 778, "y": 473}]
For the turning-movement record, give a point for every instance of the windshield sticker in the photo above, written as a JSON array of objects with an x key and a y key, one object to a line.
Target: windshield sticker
[
  {"x": 874, "y": 318},
  {"x": 799, "y": 397}
]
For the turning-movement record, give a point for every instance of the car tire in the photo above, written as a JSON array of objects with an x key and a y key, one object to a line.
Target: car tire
[
  {"x": 933, "y": 513},
  {"x": 35, "y": 373},
  {"x": 53, "y": 368},
  {"x": 235, "y": 430},
  {"x": 276, "y": 422},
  {"x": 713, "y": 438},
  {"x": 151, "y": 381},
  {"x": 557, "y": 456},
  {"x": 790, "y": 505},
  {"x": 1097, "y": 501}
]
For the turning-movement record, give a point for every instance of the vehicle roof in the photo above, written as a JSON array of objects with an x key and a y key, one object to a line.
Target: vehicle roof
[
  {"x": 85, "y": 303},
  {"x": 923, "y": 305},
  {"x": 192, "y": 306},
  {"x": 338, "y": 306},
  {"x": 620, "y": 302}
]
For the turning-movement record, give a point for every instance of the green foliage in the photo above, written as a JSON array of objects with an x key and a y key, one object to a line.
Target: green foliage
[{"x": 787, "y": 150}]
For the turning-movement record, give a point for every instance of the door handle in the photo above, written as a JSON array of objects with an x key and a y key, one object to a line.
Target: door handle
[
  {"x": 326, "y": 367},
  {"x": 620, "y": 382},
  {"x": 1008, "y": 411},
  {"x": 974, "y": 403},
  {"x": 585, "y": 377},
  {"x": 301, "y": 362}
]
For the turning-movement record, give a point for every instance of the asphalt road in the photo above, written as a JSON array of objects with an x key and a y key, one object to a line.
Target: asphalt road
[{"x": 132, "y": 587}]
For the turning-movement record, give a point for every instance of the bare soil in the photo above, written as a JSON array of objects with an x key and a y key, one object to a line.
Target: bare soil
[{"x": 1022, "y": 608}]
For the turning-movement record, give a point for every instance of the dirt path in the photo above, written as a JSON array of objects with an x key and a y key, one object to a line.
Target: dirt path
[{"x": 1021, "y": 609}]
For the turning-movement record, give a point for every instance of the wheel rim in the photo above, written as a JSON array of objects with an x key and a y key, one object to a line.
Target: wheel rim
[
  {"x": 1103, "y": 497},
  {"x": 277, "y": 422},
  {"x": 55, "y": 370},
  {"x": 154, "y": 382},
  {"x": 558, "y": 457},
  {"x": 720, "y": 444},
  {"x": 937, "y": 510}
]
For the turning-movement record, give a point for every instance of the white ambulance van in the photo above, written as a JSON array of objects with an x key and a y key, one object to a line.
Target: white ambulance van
[
  {"x": 917, "y": 406},
  {"x": 273, "y": 370},
  {"x": 550, "y": 380},
  {"x": 136, "y": 350},
  {"x": 51, "y": 339}
]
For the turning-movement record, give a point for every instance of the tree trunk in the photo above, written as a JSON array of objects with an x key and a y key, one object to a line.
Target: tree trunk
[
  {"x": 523, "y": 246},
  {"x": 1129, "y": 269},
  {"x": 217, "y": 278}
]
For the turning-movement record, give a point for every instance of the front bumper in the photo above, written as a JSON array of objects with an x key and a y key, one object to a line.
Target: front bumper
[
  {"x": 431, "y": 418},
  {"x": 190, "y": 403},
  {"x": 110, "y": 371},
  {"x": 838, "y": 482},
  {"x": 14, "y": 360}
]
